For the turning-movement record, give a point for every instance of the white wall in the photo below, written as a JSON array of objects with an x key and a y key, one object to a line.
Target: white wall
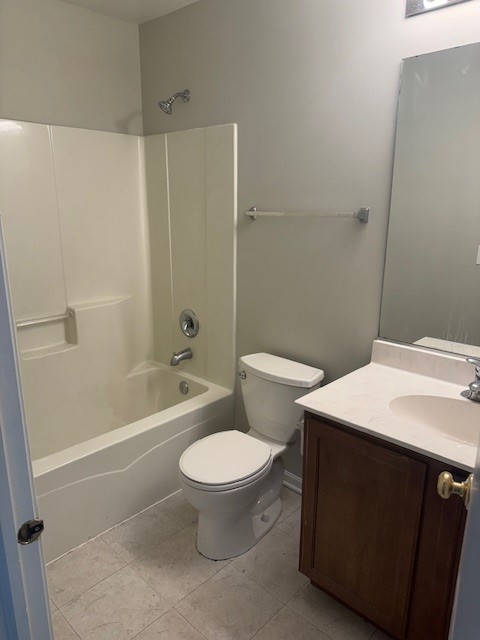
[
  {"x": 313, "y": 87},
  {"x": 62, "y": 64},
  {"x": 192, "y": 193}
]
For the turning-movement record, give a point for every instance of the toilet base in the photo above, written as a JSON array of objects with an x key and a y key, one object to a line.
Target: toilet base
[
  {"x": 263, "y": 522},
  {"x": 221, "y": 538}
]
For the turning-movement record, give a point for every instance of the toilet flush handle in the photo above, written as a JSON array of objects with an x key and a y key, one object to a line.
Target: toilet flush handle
[{"x": 242, "y": 375}]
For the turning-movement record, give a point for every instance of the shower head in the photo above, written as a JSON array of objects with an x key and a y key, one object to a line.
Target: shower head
[{"x": 167, "y": 105}]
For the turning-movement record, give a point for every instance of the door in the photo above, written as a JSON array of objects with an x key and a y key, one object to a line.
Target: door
[
  {"x": 358, "y": 496},
  {"x": 466, "y": 612},
  {"x": 24, "y": 611}
]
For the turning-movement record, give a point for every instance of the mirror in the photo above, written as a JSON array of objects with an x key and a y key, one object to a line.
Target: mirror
[{"x": 431, "y": 290}]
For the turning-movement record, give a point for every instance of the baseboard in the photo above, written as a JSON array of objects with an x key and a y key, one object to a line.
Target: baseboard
[{"x": 292, "y": 482}]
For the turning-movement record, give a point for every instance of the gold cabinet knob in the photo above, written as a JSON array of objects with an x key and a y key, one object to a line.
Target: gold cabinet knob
[{"x": 446, "y": 486}]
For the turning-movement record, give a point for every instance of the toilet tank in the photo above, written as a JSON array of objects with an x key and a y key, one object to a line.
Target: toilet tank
[{"x": 270, "y": 386}]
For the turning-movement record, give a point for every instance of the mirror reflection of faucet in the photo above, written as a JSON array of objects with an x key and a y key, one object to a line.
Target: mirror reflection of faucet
[{"x": 184, "y": 354}]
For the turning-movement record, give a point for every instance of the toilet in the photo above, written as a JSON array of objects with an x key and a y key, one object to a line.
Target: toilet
[{"x": 234, "y": 479}]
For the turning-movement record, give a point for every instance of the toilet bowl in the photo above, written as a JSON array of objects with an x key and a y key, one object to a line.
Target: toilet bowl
[{"x": 234, "y": 479}]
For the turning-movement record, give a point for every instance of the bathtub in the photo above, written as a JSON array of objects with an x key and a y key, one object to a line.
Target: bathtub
[{"x": 90, "y": 486}]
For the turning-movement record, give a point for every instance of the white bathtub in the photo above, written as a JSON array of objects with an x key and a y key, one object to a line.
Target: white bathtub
[{"x": 91, "y": 486}]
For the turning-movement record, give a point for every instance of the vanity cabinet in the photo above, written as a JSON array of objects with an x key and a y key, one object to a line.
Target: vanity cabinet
[{"x": 375, "y": 534}]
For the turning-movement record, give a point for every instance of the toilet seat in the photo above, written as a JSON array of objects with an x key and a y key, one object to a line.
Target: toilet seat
[
  {"x": 217, "y": 488},
  {"x": 225, "y": 461}
]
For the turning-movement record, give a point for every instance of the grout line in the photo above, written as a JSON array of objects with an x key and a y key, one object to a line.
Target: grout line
[
  {"x": 148, "y": 626},
  {"x": 51, "y": 604},
  {"x": 229, "y": 562},
  {"x": 91, "y": 587},
  {"x": 77, "y": 635},
  {"x": 296, "y": 594},
  {"x": 264, "y": 625},
  {"x": 154, "y": 546},
  {"x": 312, "y": 623},
  {"x": 169, "y": 606},
  {"x": 263, "y": 588},
  {"x": 191, "y": 624},
  {"x": 83, "y": 544},
  {"x": 285, "y": 516},
  {"x": 285, "y": 532},
  {"x": 194, "y": 535},
  {"x": 173, "y": 606},
  {"x": 111, "y": 548}
]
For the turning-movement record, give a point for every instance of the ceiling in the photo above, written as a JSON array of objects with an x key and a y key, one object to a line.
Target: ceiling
[{"x": 133, "y": 10}]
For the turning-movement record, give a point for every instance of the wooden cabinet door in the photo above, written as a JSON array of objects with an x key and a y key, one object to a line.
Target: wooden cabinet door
[
  {"x": 439, "y": 546},
  {"x": 361, "y": 511}
]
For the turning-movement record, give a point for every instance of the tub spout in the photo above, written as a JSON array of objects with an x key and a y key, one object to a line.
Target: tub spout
[{"x": 184, "y": 354}]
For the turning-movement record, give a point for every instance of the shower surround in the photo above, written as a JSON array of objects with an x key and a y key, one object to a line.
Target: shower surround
[{"x": 119, "y": 233}]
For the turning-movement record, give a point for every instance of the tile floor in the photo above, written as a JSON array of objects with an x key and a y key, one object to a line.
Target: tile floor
[{"x": 144, "y": 579}]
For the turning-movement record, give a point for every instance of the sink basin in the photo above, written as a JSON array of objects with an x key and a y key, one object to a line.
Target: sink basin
[{"x": 458, "y": 420}]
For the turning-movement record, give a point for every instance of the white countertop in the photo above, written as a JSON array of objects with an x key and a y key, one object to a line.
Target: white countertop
[{"x": 361, "y": 400}]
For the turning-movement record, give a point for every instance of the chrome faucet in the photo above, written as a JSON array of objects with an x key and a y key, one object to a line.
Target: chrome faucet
[
  {"x": 473, "y": 391},
  {"x": 185, "y": 354}
]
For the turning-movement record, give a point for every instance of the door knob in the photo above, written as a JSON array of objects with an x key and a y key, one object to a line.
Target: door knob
[
  {"x": 30, "y": 531},
  {"x": 446, "y": 486}
]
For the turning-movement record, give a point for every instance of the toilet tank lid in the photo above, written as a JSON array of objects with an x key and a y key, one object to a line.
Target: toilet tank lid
[{"x": 276, "y": 369}]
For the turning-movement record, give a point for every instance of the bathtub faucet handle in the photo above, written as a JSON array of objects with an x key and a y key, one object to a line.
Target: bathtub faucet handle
[{"x": 189, "y": 323}]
